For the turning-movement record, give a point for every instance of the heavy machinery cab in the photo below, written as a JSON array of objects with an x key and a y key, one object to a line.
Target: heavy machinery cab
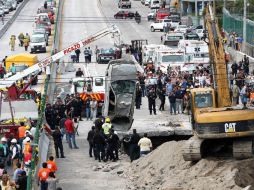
[{"x": 211, "y": 122}]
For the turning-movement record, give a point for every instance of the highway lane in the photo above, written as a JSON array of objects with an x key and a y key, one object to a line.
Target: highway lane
[
  {"x": 82, "y": 18},
  {"x": 79, "y": 21},
  {"x": 129, "y": 28},
  {"x": 23, "y": 23}
]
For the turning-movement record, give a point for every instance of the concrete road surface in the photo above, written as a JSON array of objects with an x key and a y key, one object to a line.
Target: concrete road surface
[
  {"x": 82, "y": 18},
  {"x": 23, "y": 23}
]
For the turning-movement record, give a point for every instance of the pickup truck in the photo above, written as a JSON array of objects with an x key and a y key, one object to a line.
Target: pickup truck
[
  {"x": 159, "y": 25},
  {"x": 124, "y": 3}
]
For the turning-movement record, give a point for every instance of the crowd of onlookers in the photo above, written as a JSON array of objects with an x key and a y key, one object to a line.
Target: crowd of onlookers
[
  {"x": 16, "y": 150},
  {"x": 176, "y": 85}
]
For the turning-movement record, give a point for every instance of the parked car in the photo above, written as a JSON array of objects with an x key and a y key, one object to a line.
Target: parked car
[
  {"x": 44, "y": 17},
  {"x": 159, "y": 25},
  {"x": 124, "y": 14},
  {"x": 45, "y": 26},
  {"x": 162, "y": 13},
  {"x": 6, "y": 9},
  {"x": 124, "y": 3},
  {"x": 181, "y": 28},
  {"x": 13, "y": 4},
  {"x": 152, "y": 14},
  {"x": 42, "y": 31},
  {"x": 154, "y": 4},
  {"x": 38, "y": 43},
  {"x": 191, "y": 36},
  {"x": 105, "y": 55},
  {"x": 1, "y": 12}
]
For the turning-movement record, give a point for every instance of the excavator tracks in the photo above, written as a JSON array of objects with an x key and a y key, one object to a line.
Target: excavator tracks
[
  {"x": 242, "y": 149},
  {"x": 193, "y": 150}
]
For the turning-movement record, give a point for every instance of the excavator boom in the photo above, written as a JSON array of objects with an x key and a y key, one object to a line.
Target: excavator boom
[{"x": 217, "y": 57}]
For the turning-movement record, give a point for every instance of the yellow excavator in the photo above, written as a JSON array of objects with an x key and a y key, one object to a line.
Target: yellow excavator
[{"x": 217, "y": 126}]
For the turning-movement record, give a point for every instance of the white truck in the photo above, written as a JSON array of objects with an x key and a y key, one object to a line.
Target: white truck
[
  {"x": 197, "y": 52},
  {"x": 173, "y": 58},
  {"x": 149, "y": 52},
  {"x": 160, "y": 24},
  {"x": 172, "y": 39}
]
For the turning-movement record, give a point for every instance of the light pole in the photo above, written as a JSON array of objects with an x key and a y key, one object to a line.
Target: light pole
[{"x": 244, "y": 25}]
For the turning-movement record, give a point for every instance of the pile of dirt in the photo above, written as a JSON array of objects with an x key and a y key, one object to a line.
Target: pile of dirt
[{"x": 165, "y": 169}]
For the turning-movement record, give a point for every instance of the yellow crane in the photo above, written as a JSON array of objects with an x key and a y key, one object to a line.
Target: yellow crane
[{"x": 217, "y": 126}]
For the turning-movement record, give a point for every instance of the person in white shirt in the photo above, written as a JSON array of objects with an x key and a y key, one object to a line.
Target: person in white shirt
[{"x": 145, "y": 145}]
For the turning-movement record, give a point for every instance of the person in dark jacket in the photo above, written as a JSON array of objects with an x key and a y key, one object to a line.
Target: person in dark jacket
[
  {"x": 151, "y": 101},
  {"x": 162, "y": 94},
  {"x": 57, "y": 136},
  {"x": 77, "y": 51},
  {"x": 138, "y": 96},
  {"x": 134, "y": 148},
  {"x": 79, "y": 107},
  {"x": 90, "y": 137},
  {"x": 113, "y": 141},
  {"x": 22, "y": 181},
  {"x": 172, "y": 100},
  {"x": 50, "y": 116},
  {"x": 99, "y": 144}
]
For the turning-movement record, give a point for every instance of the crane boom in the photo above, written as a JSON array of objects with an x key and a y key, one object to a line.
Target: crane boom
[
  {"x": 47, "y": 61},
  {"x": 217, "y": 57}
]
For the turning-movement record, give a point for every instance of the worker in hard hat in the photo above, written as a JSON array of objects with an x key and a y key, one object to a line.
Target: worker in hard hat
[
  {"x": 14, "y": 153},
  {"x": 4, "y": 151},
  {"x": 107, "y": 126},
  {"x": 12, "y": 42}
]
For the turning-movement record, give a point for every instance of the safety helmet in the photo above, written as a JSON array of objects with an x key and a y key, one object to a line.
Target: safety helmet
[
  {"x": 3, "y": 139},
  {"x": 13, "y": 141},
  {"x": 27, "y": 127},
  {"x": 107, "y": 120}
]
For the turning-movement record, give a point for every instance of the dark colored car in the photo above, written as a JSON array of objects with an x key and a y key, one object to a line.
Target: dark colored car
[
  {"x": 192, "y": 36},
  {"x": 124, "y": 14},
  {"x": 105, "y": 55}
]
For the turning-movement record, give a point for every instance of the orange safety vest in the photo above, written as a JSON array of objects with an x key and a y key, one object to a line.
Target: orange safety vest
[{"x": 22, "y": 131}]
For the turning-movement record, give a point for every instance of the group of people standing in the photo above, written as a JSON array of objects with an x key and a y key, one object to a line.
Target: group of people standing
[
  {"x": 87, "y": 54},
  {"x": 24, "y": 41},
  {"x": 103, "y": 141}
]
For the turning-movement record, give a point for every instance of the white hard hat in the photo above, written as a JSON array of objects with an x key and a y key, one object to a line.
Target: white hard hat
[
  {"x": 3, "y": 139},
  {"x": 27, "y": 139},
  {"x": 13, "y": 141}
]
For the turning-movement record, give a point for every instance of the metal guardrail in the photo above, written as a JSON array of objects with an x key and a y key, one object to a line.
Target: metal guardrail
[
  {"x": 41, "y": 138},
  {"x": 13, "y": 18}
]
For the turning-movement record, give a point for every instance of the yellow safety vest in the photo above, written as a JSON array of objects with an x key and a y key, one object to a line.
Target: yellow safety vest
[{"x": 106, "y": 127}]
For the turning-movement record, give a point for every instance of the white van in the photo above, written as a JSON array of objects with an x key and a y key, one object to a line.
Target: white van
[{"x": 154, "y": 4}]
